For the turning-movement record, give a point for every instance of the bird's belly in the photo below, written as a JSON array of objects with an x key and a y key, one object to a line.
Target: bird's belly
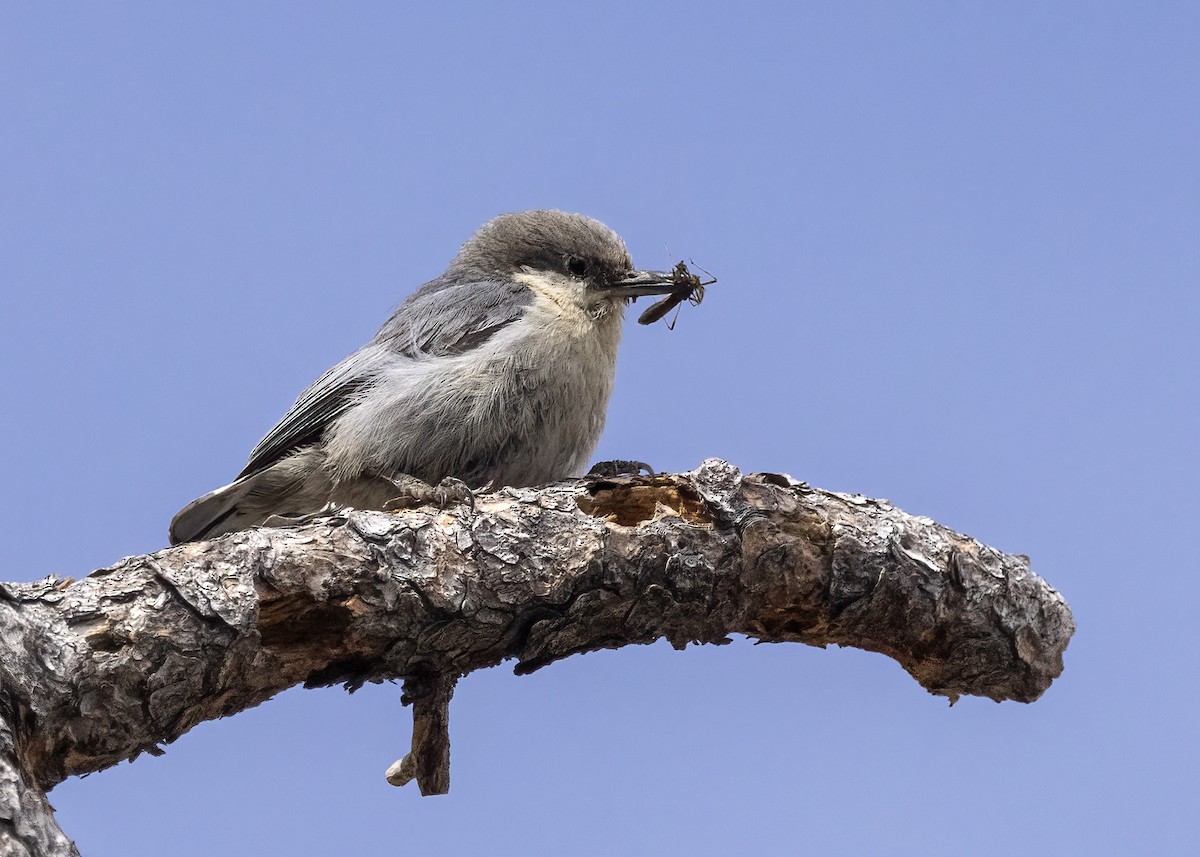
[
  {"x": 519, "y": 415},
  {"x": 541, "y": 425}
]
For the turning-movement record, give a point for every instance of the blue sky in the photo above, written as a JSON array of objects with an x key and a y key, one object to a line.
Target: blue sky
[{"x": 958, "y": 255}]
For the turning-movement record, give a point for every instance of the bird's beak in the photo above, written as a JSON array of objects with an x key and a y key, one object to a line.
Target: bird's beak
[{"x": 639, "y": 283}]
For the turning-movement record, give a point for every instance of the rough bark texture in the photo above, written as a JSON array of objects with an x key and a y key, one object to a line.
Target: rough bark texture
[{"x": 131, "y": 657}]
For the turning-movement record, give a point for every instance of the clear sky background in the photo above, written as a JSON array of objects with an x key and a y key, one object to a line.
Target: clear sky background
[{"x": 959, "y": 255}]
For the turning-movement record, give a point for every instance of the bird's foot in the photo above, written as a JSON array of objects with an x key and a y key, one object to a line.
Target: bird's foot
[
  {"x": 619, "y": 467},
  {"x": 413, "y": 492}
]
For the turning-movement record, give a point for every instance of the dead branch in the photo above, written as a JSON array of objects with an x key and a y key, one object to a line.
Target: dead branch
[{"x": 131, "y": 657}]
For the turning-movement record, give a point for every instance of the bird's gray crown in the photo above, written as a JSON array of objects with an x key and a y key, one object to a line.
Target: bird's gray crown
[{"x": 545, "y": 241}]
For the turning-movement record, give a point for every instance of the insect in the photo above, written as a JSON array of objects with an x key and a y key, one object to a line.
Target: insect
[{"x": 688, "y": 287}]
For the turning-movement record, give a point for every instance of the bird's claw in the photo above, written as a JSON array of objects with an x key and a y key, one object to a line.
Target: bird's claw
[
  {"x": 619, "y": 467},
  {"x": 414, "y": 492}
]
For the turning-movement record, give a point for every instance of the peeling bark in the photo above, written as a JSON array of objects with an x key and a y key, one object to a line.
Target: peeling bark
[{"x": 131, "y": 657}]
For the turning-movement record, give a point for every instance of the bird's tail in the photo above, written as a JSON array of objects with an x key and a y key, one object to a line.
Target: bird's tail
[{"x": 214, "y": 514}]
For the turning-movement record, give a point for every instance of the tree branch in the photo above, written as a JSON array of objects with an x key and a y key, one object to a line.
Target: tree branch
[{"x": 133, "y": 656}]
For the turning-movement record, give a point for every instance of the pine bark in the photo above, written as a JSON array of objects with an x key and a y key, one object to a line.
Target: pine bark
[{"x": 129, "y": 658}]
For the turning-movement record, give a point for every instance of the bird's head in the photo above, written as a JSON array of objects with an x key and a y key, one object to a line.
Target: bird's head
[{"x": 572, "y": 256}]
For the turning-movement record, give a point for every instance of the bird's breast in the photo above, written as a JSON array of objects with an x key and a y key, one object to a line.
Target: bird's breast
[
  {"x": 561, "y": 375},
  {"x": 526, "y": 407}
]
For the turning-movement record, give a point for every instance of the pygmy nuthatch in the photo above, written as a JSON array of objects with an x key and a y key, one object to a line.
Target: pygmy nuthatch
[{"x": 498, "y": 372}]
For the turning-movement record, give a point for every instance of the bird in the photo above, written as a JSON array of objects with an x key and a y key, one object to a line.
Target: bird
[{"x": 496, "y": 373}]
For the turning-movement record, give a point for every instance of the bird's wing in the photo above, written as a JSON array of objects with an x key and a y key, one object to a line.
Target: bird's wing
[
  {"x": 325, "y": 400},
  {"x": 442, "y": 318},
  {"x": 447, "y": 317}
]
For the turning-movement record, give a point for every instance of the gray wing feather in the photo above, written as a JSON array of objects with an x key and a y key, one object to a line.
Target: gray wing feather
[
  {"x": 442, "y": 318},
  {"x": 452, "y": 316},
  {"x": 325, "y": 400}
]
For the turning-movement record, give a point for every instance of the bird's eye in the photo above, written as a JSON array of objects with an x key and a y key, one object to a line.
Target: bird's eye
[{"x": 577, "y": 266}]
